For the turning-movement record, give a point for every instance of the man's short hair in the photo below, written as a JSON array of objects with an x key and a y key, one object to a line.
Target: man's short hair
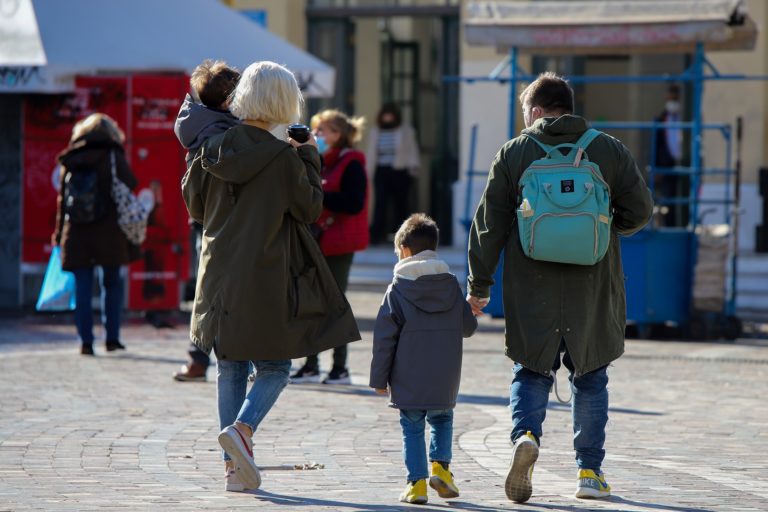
[
  {"x": 213, "y": 82},
  {"x": 418, "y": 233},
  {"x": 550, "y": 93}
]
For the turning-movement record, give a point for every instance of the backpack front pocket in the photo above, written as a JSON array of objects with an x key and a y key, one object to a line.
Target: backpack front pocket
[{"x": 564, "y": 238}]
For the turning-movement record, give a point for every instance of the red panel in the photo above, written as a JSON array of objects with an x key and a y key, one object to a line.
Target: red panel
[
  {"x": 145, "y": 107},
  {"x": 106, "y": 95},
  {"x": 158, "y": 161},
  {"x": 48, "y": 121}
]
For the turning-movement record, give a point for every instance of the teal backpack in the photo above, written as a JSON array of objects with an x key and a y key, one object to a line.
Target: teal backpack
[{"x": 564, "y": 215}]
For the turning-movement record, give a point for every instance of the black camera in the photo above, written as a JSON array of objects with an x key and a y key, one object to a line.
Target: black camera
[{"x": 298, "y": 132}]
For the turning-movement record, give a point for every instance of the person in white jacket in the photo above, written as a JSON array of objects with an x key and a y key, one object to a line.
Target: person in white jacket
[{"x": 393, "y": 158}]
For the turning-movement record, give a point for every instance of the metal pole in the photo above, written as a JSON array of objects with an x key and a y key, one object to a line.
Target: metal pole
[
  {"x": 696, "y": 132},
  {"x": 512, "y": 92}
]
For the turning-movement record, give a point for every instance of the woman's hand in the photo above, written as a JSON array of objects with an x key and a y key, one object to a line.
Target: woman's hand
[{"x": 310, "y": 142}]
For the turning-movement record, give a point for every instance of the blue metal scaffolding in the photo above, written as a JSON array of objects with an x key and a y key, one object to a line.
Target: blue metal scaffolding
[{"x": 654, "y": 252}]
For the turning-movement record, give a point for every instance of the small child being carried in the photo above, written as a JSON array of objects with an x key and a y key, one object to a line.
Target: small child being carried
[
  {"x": 417, "y": 351},
  {"x": 212, "y": 82}
]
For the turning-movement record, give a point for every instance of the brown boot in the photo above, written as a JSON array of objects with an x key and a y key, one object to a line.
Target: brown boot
[{"x": 192, "y": 372}]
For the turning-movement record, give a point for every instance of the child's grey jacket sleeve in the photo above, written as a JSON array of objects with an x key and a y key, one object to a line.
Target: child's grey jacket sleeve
[{"x": 386, "y": 334}]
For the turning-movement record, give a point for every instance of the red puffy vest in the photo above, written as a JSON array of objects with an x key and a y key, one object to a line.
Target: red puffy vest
[{"x": 343, "y": 233}]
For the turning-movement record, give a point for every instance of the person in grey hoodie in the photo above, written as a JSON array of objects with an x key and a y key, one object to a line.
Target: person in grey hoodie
[
  {"x": 417, "y": 350},
  {"x": 212, "y": 82}
]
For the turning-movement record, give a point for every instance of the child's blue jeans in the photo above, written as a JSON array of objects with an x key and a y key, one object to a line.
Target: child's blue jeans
[{"x": 414, "y": 450}]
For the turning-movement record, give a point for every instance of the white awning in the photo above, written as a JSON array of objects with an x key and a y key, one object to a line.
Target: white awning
[
  {"x": 615, "y": 26},
  {"x": 114, "y": 36},
  {"x": 20, "y": 43}
]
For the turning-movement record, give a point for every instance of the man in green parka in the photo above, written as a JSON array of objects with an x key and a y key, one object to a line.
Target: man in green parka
[{"x": 554, "y": 308}]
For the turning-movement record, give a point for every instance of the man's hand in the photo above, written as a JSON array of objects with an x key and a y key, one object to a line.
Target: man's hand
[
  {"x": 380, "y": 391},
  {"x": 477, "y": 304}
]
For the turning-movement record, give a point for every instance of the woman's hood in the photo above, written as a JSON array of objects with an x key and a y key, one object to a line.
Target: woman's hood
[{"x": 240, "y": 154}]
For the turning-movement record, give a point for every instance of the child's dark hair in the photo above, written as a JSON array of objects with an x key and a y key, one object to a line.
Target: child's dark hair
[
  {"x": 213, "y": 82},
  {"x": 418, "y": 233}
]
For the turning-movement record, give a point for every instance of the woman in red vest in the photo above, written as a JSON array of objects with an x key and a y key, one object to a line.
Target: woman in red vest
[{"x": 343, "y": 226}]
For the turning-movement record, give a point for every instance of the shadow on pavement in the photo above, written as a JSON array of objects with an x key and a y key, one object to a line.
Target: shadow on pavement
[
  {"x": 618, "y": 501},
  {"x": 300, "y": 501},
  {"x": 149, "y": 359},
  {"x": 463, "y": 398}
]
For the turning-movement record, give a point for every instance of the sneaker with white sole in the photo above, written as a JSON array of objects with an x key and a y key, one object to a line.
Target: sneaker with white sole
[
  {"x": 240, "y": 448},
  {"x": 305, "y": 375},
  {"x": 442, "y": 481},
  {"x": 518, "y": 486},
  {"x": 592, "y": 485},
  {"x": 232, "y": 483},
  {"x": 415, "y": 492}
]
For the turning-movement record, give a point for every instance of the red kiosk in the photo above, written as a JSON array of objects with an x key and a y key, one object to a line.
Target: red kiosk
[{"x": 145, "y": 106}]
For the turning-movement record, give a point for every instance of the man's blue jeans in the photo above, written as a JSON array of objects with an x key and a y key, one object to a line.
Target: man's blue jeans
[
  {"x": 529, "y": 395},
  {"x": 231, "y": 385},
  {"x": 111, "y": 302},
  {"x": 414, "y": 450}
]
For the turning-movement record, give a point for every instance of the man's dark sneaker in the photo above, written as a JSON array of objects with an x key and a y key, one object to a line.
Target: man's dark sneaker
[
  {"x": 113, "y": 345},
  {"x": 191, "y": 372},
  {"x": 86, "y": 350},
  {"x": 338, "y": 376},
  {"x": 305, "y": 375}
]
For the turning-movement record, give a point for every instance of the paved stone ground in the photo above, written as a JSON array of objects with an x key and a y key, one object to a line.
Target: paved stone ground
[{"x": 688, "y": 430}]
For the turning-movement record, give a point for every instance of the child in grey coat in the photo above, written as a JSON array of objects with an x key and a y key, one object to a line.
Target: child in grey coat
[{"x": 417, "y": 349}]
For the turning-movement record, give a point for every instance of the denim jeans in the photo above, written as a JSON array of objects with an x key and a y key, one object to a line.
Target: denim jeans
[
  {"x": 111, "y": 302},
  {"x": 529, "y": 395},
  {"x": 441, "y": 437},
  {"x": 231, "y": 384}
]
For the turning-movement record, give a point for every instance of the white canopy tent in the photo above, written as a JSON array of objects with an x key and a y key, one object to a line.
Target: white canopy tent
[
  {"x": 20, "y": 43},
  {"x": 617, "y": 26},
  {"x": 116, "y": 36}
]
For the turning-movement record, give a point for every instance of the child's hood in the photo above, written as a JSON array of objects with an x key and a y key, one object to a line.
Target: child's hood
[
  {"x": 195, "y": 123},
  {"x": 426, "y": 282}
]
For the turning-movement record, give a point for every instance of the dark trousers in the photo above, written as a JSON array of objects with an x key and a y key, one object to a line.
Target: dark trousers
[
  {"x": 198, "y": 356},
  {"x": 391, "y": 192},
  {"x": 111, "y": 302},
  {"x": 340, "y": 266}
]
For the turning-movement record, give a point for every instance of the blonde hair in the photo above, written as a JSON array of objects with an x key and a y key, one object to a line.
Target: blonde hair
[
  {"x": 98, "y": 123},
  {"x": 350, "y": 128},
  {"x": 267, "y": 92}
]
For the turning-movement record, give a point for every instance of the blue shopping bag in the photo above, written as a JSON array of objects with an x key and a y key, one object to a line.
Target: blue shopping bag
[{"x": 58, "y": 291}]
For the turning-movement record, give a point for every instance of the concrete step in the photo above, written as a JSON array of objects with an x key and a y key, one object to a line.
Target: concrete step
[{"x": 374, "y": 265}]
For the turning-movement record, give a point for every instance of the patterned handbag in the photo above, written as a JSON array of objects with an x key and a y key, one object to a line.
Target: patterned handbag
[{"x": 131, "y": 214}]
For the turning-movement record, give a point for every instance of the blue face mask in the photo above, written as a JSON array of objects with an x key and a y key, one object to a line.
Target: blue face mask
[{"x": 322, "y": 146}]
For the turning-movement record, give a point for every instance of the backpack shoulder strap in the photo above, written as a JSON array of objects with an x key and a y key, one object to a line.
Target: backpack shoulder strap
[
  {"x": 585, "y": 140},
  {"x": 587, "y": 137},
  {"x": 546, "y": 147}
]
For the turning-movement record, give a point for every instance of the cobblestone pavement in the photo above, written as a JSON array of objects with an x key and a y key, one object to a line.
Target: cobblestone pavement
[{"x": 688, "y": 430}]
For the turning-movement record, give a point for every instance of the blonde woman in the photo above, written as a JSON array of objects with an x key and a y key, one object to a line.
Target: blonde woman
[
  {"x": 264, "y": 294},
  {"x": 86, "y": 223},
  {"x": 343, "y": 226}
]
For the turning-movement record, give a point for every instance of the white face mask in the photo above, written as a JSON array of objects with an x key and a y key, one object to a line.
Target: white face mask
[{"x": 672, "y": 106}]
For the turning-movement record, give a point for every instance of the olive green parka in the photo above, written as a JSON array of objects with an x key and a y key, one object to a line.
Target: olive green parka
[
  {"x": 264, "y": 290},
  {"x": 545, "y": 302}
]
